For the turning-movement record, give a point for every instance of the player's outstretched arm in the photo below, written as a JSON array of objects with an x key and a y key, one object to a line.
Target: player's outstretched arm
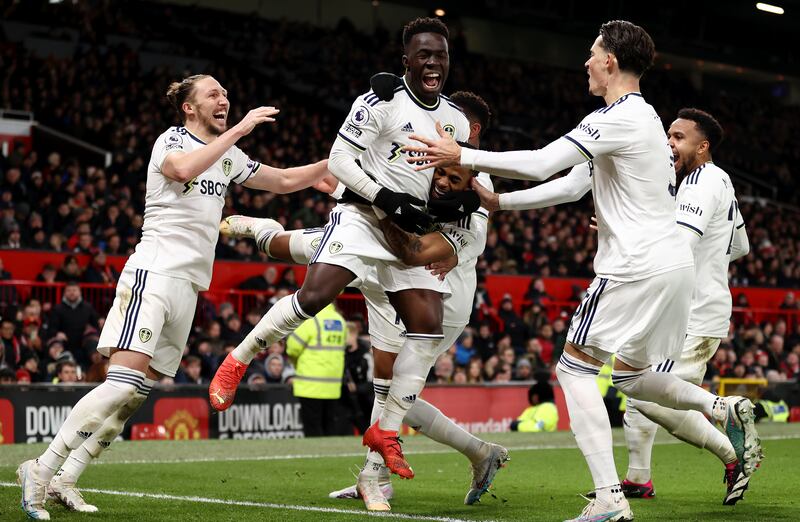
[
  {"x": 184, "y": 166},
  {"x": 567, "y": 189},
  {"x": 416, "y": 250},
  {"x": 283, "y": 181},
  {"x": 536, "y": 165},
  {"x": 740, "y": 246}
]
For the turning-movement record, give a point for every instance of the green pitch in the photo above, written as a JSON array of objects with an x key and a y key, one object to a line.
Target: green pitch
[{"x": 289, "y": 480}]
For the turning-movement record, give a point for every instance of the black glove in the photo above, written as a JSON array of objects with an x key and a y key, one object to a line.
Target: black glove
[
  {"x": 403, "y": 209},
  {"x": 383, "y": 85},
  {"x": 454, "y": 206}
]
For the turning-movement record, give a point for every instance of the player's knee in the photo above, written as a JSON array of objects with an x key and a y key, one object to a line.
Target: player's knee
[
  {"x": 627, "y": 382},
  {"x": 313, "y": 300}
]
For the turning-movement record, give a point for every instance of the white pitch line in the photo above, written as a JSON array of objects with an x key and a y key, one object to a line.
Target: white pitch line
[
  {"x": 532, "y": 447},
  {"x": 268, "y": 505}
]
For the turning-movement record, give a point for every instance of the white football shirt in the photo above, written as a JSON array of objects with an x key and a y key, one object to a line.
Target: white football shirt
[
  {"x": 376, "y": 131},
  {"x": 633, "y": 186},
  {"x": 707, "y": 206},
  {"x": 181, "y": 220}
]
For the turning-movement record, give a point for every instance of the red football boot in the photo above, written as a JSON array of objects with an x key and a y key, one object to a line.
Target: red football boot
[
  {"x": 387, "y": 443},
  {"x": 222, "y": 389}
]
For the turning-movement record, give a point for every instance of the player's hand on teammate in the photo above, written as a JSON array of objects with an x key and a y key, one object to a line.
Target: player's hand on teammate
[
  {"x": 442, "y": 268},
  {"x": 442, "y": 152},
  {"x": 489, "y": 200},
  {"x": 454, "y": 206},
  {"x": 256, "y": 117},
  {"x": 593, "y": 224}
]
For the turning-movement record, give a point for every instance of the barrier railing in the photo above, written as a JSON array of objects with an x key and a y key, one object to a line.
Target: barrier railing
[{"x": 14, "y": 293}]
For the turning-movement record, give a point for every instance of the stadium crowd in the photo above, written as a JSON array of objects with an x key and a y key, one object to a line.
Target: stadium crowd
[{"x": 49, "y": 201}]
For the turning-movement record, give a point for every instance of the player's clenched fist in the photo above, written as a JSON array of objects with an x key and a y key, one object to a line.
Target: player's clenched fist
[{"x": 256, "y": 117}]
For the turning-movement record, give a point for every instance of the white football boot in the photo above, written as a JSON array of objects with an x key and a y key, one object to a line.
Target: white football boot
[
  {"x": 369, "y": 490},
  {"x": 351, "y": 492},
  {"x": 34, "y": 490},
  {"x": 483, "y": 472},
  {"x": 617, "y": 510},
  {"x": 64, "y": 491},
  {"x": 250, "y": 227}
]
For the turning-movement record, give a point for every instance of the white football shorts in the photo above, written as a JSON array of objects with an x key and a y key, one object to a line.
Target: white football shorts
[
  {"x": 642, "y": 322},
  {"x": 353, "y": 240},
  {"x": 151, "y": 314},
  {"x": 691, "y": 364}
]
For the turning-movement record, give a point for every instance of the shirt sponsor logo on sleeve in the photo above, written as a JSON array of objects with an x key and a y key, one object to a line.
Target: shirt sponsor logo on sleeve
[
  {"x": 350, "y": 129},
  {"x": 591, "y": 131},
  {"x": 688, "y": 208}
]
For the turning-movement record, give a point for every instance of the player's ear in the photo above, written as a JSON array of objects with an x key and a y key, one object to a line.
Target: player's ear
[
  {"x": 405, "y": 63},
  {"x": 474, "y": 130},
  {"x": 703, "y": 147},
  {"x": 187, "y": 108}
]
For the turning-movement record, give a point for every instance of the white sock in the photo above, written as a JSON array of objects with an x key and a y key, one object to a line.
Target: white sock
[
  {"x": 263, "y": 237},
  {"x": 374, "y": 461},
  {"x": 89, "y": 414},
  {"x": 410, "y": 371},
  {"x": 102, "y": 438},
  {"x": 281, "y": 320},
  {"x": 640, "y": 432},
  {"x": 589, "y": 421},
  {"x": 428, "y": 419},
  {"x": 664, "y": 389},
  {"x": 690, "y": 426},
  {"x": 300, "y": 249}
]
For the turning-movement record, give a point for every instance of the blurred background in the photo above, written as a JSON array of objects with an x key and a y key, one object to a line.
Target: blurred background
[{"x": 82, "y": 101}]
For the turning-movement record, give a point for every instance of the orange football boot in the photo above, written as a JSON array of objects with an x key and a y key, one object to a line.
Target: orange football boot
[
  {"x": 387, "y": 443},
  {"x": 222, "y": 389}
]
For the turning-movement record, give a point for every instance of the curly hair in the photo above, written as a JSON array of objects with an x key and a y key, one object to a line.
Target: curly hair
[
  {"x": 424, "y": 25},
  {"x": 631, "y": 44},
  {"x": 474, "y": 106},
  {"x": 706, "y": 124}
]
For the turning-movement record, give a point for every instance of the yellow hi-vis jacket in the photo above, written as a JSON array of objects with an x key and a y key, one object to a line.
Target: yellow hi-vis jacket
[
  {"x": 318, "y": 347},
  {"x": 542, "y": 417}
]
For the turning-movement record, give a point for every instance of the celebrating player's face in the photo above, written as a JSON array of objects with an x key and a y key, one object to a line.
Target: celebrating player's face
[
  {"x": 596, "y": 67},
  {"x": 685, "y": 140},
  {"x": 449, "y": 179},
  {"x": 210, "y": 105},
  {"x": 428, "y": 62}
]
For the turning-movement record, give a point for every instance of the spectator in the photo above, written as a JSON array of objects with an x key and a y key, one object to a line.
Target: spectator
[
  {"x": 66, "y": 372},
  {"x": 190, "y": 371},
  {"x": 475, "y": 371},
  {"x": 442, "y": 370},
  {"x": 503, "y": 372},
  {"x": 542, "y": 414},
  {"x": 264, "y": 281},
  {"x": 524, "y": 370},
  {"x": 10, "y": 347},
  {"x": 7, "y": 376},
  {"x": 29, "y": 368},
  {"x": 485, "y": 345},
  {"x": 512, "y": 324},
  {"x": 274, "y": 367},
  {"x": 791, "y": 366},
  {"x": 70, "y": 270},
  {"x": 464, "y": 348},
  {"x": 71, "y": 317},
  {"x": 100, "y": 271}
]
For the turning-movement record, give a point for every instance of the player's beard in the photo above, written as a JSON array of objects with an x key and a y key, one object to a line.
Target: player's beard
[{"x": 211, "y": 127}]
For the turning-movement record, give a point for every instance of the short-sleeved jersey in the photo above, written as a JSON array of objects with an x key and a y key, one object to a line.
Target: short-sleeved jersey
[
  {"x": 181, "y": 220},
  {"x": 378, "y": 131},
  {"x": 633, "y": 186},
  {"x": 707, "y": 206}
]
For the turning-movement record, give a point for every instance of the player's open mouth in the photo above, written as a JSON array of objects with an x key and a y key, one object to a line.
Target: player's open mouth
[
  {"x": 437, "y": 193},
  {"x": 220, "y": 116},
  {"x": 431, "y": 80}
]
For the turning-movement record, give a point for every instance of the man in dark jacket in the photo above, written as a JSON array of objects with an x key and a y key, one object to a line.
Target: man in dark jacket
[{"x": 71, "y": 316}]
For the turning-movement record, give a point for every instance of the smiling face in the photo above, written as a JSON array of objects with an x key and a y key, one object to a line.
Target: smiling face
[
  {"x": 427, "y": 61},
  {"x": 449, "y": 179},
  {"x": 597, "y": 67},
  {"x": 688, "y": 146},
  {"x": 209, "y": 106}
]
